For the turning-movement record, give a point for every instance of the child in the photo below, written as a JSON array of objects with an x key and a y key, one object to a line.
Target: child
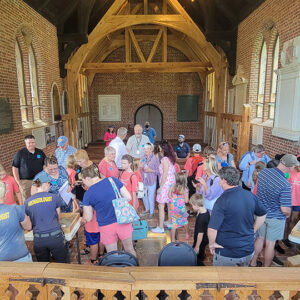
[
  {"x": 129, "y": 179},
  {"x": 71, "y": 170},
  {"x": 179, "y": 197},
  {"x": 200, "y": 232},
  {"x": 253, "y": 180},
  {"x": 11, "y": 188},
  {"x": 136, "y": 168}
]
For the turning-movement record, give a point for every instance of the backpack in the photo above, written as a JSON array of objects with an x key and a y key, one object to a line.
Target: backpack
[
  {"x": 195, "y": 161},
  {"x": 190, "y": 179}
]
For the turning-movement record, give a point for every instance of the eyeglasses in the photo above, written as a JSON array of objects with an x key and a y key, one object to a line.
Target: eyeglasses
[{"x": 52, "y": 169}]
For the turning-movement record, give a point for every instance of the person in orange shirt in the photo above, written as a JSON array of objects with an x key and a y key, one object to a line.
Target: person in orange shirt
[
  {"x": 193, "y": 161},
  {"x": 107, "y": 166},
  {"x": 11, "y": 188},
  {"x": 129, "y": 179}
]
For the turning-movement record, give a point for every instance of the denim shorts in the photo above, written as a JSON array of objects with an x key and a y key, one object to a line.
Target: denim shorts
[
  {"x": 219, "y": 260},
  {"x": 272, "y": 229}
]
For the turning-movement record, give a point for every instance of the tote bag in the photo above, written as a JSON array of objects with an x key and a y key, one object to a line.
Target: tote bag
[{"x": 125, "y": 213}]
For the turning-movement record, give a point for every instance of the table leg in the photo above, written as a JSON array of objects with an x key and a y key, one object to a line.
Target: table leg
[{"x": 78, "y": 248}]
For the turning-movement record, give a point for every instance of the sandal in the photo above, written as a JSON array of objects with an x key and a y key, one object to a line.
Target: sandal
[{"x": 85, "y": 251}]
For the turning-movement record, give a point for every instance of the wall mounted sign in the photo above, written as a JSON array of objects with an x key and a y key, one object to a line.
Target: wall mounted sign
[
  {"x": 6, "y": 120},
  {"x": 109, "y": 107}
]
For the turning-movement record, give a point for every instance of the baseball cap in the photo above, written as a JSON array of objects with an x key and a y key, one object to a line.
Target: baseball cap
[
  {"x": 61, "y": 141},
  {"x": 289, "y": 160},
  {"x": 111, "y": 126},
  {"x": 181, "y": 136},
  {"x": 197, "y": 148}
]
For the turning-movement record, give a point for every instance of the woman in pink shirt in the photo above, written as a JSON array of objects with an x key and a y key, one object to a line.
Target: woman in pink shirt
[
  {"x": 109, "y": 135},
  {"x": 107, "y": 166},
  {"x": 11, "y": 188}
]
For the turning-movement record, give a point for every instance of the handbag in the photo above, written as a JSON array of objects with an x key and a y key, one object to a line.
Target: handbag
[
  {"x": 140, "y": 230},
  {"x": 125, "y": 213},
  {"x": 141, "y": 190}
]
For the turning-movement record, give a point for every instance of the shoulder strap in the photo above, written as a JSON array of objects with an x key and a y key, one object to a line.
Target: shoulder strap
[
  {"x": 228, "y": 159},
  {"x": 212, "y": 181},
  {"x": 117, "y": 193}
]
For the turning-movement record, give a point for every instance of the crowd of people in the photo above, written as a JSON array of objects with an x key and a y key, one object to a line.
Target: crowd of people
[{"x": 237, "y": 215}]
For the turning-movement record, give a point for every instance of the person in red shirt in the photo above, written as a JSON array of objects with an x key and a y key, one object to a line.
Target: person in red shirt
[
  {"x": 109, "y": 135},
  {"x": 11, "y": 188},
  {"x": 192, "y": 162},
  {"x": 107, "y": 166},
  {"x": 129, "y": 179}
]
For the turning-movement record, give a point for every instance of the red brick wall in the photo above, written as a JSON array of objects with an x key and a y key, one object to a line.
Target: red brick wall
[
  {"x": 160, "y": 89},
  {"x": 282, "y": 17},
  {"x": 16, "y": 16}
]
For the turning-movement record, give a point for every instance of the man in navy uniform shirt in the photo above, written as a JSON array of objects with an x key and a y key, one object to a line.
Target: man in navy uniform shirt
[
  {"x": 28, "y": 162},
  {"x": 182, "y": 149}
]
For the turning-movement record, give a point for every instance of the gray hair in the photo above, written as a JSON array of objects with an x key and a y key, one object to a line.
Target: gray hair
[
  {"x": 121, "y": 131},
  {"x": 149, "y": 145},
  {"x": 108, "y": 150},
  {"x": 259, "y": 148},
  {"x": 138, "y": 125},
  {"x": 2, "y": 189},
  {"x": 231, "y": 175}
]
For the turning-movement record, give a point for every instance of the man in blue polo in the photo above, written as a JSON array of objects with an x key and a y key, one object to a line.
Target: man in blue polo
[
  {"x": 275, "y": 192},
  {"x": 63, "y": 151},
  {"x": 232, "y": 224},
  {"x": 149, "y": 132},
  {"x": 182, "y": 149}
]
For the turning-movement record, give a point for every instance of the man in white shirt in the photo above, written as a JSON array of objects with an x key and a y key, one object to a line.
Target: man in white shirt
[
  {"x": 119, "y": 146},
  {"x": 135, "y": 144}
]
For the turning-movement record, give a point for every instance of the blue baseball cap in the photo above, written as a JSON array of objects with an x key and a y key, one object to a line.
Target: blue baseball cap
[{"x": 61, "y": 141}]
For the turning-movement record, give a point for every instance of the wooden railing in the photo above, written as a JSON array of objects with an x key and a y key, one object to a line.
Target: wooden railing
[
  {"x": 235, "y": 129},
  {"x": 63, "y": 281}
]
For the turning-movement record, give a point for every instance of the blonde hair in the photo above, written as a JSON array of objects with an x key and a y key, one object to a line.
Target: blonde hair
[
  {"x": 180, "y": 184},
  {"x": 2, "y": 189},
  {"x": 2, "y": 168},
  {"x": 197, "y": 200},
  {"x": 71, "y": 163},
  {"x": 212, "y": 164},
  {"x": 81, "y": 154},
  {"x": 136, "y": 164},
  {"x": 208, "y": 150},
  {"x": 258, "y": 167}
]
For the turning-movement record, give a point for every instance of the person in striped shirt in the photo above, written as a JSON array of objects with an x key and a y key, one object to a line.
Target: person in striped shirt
[{"x": 275, "y": 193}]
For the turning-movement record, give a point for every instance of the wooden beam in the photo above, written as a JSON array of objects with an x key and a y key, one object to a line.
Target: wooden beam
[
  {"x": 136, "y": 9},
  {"x": 165, "y": 45},
  {"x": 145, "y": 7},
  {"x": 136, "y": 46},
  {"x": 127, "y": 46},
  {"x": 153, "y": 50},
  {"x": 162, "y": 67}
]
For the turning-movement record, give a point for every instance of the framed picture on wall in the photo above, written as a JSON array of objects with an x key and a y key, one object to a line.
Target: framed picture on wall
[
  {"x": 187, "y": 108},
  {"x": 109, "y": 107}
]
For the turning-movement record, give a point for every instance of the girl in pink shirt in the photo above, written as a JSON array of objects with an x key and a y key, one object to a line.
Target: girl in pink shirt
[
  {"x": 11, "y": 188},
  {"x": 109, "y": 135}
]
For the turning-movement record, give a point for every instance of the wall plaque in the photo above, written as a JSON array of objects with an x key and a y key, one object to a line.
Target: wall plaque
[{"x": 6, "y": 120}]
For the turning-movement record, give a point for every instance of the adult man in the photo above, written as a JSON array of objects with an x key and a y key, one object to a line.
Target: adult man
[
  {"x": 231, "y": 228},
  {"x": 28, "y": 162},
  {"x": 119, "y": 146},
  {"x": 135, "y": 144},
  {"x": 12, "y": 222},
  {"x": 182, "y": 149},
  {"x": 63, "y": 151},
  {"x": 149, "y": 132},
  {"x": 275, "y": 192}
]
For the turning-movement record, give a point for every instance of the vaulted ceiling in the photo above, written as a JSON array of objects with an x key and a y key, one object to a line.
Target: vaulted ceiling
[{"x": 75, "y": 19}]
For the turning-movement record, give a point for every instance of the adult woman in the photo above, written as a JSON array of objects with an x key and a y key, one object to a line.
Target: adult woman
[
  {"x": 99, "y": 197},
  {"x": 210, "y": 187},
  {"x": 224, "y": 157},
  {"x": 13, "y": 221},
  {"x": 167, "y": 179},
  {"x": 57, "y": 176},
  {"x": 43, "y": 208},
  {"x": 150, "y": 171},
  {"x": 107, "y": 166},
  {"x": 109, "y": 135}
]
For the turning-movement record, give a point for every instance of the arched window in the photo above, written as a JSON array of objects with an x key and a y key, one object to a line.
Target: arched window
[
  {"x": 56, "y": 111},
  {"x": 261, "y": 81},
  {"x": 21, "y": 83},
  {"x": 274, "y": 80},
  {"x": 65, "y": 103},
  {"x": 34, "y": 85}
]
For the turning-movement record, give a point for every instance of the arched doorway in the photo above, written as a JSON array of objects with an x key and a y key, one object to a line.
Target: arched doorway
[{"x": 151, "y": 113}]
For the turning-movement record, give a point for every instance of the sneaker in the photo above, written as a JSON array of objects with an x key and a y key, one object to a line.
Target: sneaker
[
  {"x": 287, "y": 243},
  {"x": 167, "y": 224},
  {"x": 158, "y": 230},
  {"x": 279, "y": 249},
  {"x": 277, "y": 261},
  {"x": 150, "y": 217},
  {"x": 145, "y": 213}
]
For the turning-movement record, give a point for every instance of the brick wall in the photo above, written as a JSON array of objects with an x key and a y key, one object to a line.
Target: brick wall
[
  {"x": 273, "y": 17},
  {"x": 137, "y": 89},
  {"x": 16, "y": 20}
]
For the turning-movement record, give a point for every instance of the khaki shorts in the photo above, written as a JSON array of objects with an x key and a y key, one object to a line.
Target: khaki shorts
[
  {"x": 25, "y": 189},
  {"x": 272, "y": 229}
]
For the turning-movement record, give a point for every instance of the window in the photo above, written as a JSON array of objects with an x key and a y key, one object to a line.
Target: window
[
  {"x": 21, "y": 84},
  {"x": 56, "y": 111},
  {"x": 34, "y": 85},
  {"x": 261, "y": 81},
  {"x": 274, "y": 80}
]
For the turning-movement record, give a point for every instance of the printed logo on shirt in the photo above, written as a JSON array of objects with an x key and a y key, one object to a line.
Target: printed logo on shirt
[
  {"x": 4, "y": 216},
  {"x": 39, "y": 200},
  {"x": 38, "y": 156}
]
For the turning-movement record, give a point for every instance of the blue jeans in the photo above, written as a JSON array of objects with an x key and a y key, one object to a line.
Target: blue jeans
[
  {"x": 220, "y": 260},
  {"x": 148, "y": 199}
]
